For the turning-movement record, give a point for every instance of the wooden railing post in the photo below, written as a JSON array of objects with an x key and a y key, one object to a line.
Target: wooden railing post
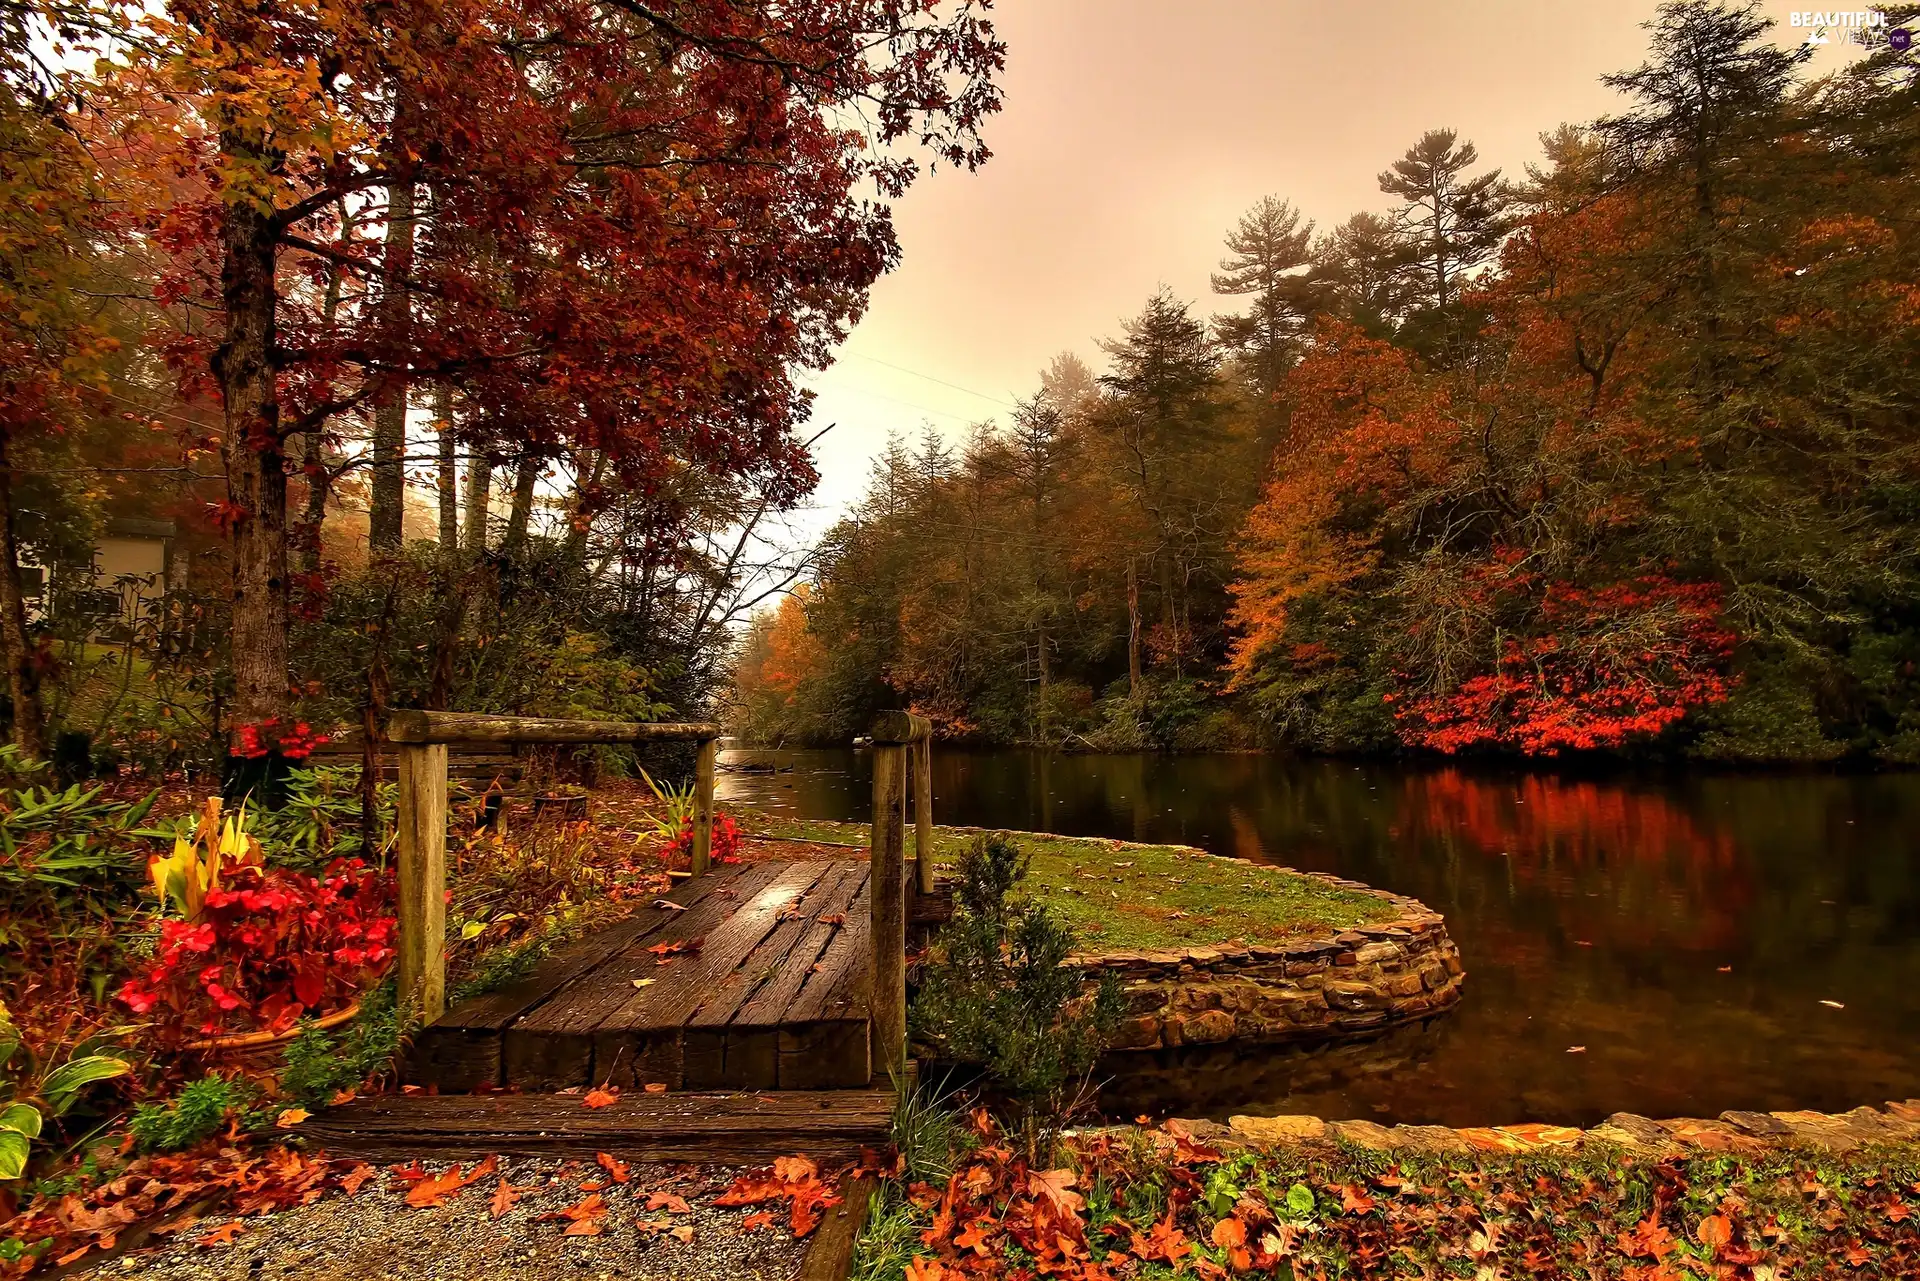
[
  {"x": 421, "y": 814},
  {"x": 894, "y": 736},
  {"x": 703, "y": 805},
  {"x": 923, "y": 814}
]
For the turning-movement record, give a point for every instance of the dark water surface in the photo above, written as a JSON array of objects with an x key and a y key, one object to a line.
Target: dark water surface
[{"x": 1684, "y": 929}]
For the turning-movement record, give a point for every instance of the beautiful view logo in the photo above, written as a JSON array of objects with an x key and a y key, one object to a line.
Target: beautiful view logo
[{"x": 1854, "y": 24}]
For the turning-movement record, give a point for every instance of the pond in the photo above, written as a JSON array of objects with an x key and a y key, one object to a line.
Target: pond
[{"x": 1671, "y": 945}]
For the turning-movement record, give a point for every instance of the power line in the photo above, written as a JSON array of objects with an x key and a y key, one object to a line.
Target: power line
[{"x": 998, "y": 400}]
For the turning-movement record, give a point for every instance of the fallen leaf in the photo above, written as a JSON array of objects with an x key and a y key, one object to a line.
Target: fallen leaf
[
  {"x": 1715, "y": 1231},
  {"x": 290, "y": 1117},
  {"x": 834, "y": 918},
  {"x": 1726, "y": 969},
  {"x": 667, "y": 904},
  {"x": 758, "y": 1219},
  {"x": 682, "y": 1233},
  {"x": 645, "y": 982},
  {"x": 342, "y": 1097},
  {"x": 504, "y": 1197},
  {"x": 655, "y": 1087},
  {"x": 668, "y": 1201},
  {"x": 1576, "y": 1049},
  {"x": 615, "y": 1167},
  {"x": 356, "y": 1178},
  {"x": 601, "y": 1098},
  {"x": 223, "y": 1235},
  {"x": 1054, "y": 1185},
  {"x": 1833, "y": 1005},
  {"x": 794, "y": 1169}
]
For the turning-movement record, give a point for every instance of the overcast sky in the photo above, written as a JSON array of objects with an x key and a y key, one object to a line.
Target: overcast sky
[{"x": 1137, "y": 131}]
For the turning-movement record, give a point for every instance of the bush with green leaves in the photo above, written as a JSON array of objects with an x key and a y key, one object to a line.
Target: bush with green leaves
[
  {"x": 34, "y": 1092},
  {"x": 319, "y": 821},
  {"x": 997, "y": 993},
  {"x": 199, "y": 1111},
  {"x": 68, "y": 859},
  {"x": 318, "y": 1064}
]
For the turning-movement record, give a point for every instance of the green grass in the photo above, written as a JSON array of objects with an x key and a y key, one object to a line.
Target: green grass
[{"x": 1123, "y": 898}]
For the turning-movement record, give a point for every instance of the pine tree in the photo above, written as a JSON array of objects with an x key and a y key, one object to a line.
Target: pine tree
[
  {"x": 1267, "y": 254},
  {"x": 1452, "y": 220}
]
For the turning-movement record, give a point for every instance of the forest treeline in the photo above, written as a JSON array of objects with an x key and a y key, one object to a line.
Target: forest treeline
[{"x": 1617, "y": 455}]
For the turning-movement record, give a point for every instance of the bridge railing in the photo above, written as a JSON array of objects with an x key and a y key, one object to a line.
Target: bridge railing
[
  {"x": 422, "y": 739},
  {"x": 898, "y": 737}
]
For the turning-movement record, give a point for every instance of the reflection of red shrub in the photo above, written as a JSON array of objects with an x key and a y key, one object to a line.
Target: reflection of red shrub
[
  {"x": 726, "y": 840},
  {"x": 1617, "y": 663},
  {"x": 269, "y": 946}
]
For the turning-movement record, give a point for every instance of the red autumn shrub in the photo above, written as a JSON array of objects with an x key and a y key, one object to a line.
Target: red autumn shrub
[
  {"x": 726, "y": 840},
  {"x": 269, "y": 945}
]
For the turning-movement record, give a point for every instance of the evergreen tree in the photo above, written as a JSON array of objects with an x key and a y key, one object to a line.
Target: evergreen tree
[
  {"x": 1267, "y": 254},
  {"x": 1452, "y": 220}
]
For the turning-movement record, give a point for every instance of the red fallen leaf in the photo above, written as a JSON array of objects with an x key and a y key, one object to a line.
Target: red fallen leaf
[
  {"x": 408, "y": 1173},
  {"x": 584, "y": 1216},
  {"x": 668, "y": 1201},
  {"x": 356, "y": 1178},
  {"x": 1857, "y": 1257},
  {"x": 758, "y": 1219},
  {"x": 595, "y": 1185},
  {"x": 430, "y": 1194},
  {"x": 601, "y": 1097},
  {"x": 504, "y": 1198},
  {"x": 834, "y": 918},
  {"x": 222, "y": 1235},
  {"x": 1354, "y": 1199},
  {"x": 617, "y": 1169}
]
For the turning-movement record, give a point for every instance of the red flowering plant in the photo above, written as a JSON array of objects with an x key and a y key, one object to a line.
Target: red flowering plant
[
  {"x": 260, "y": 738},
  {"x": 726, "y": 840},
  {"x": 254, "y": 948}
]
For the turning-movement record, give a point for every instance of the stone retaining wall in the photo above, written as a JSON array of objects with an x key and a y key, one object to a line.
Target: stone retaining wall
[{"x": 1350, "y": 984}]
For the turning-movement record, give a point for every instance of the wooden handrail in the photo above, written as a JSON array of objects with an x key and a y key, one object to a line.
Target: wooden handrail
[
  {"x": 421, "y": 818},
  {"x": 476, "y": 727},
  {"x": 897, "y": 737}
]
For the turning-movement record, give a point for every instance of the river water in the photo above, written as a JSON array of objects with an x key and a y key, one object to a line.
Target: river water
[{"x": 1671, "y": 945}]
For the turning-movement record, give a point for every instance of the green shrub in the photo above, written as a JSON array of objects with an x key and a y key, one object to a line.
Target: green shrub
[
  {"x": 199, "y": 1111},
  {"x": 997, "y": 993},
  {"x": 318, "y": 1064}
]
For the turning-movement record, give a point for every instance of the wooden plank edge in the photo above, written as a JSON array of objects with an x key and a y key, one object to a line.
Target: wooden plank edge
[{"x": 829, "y": 1255}]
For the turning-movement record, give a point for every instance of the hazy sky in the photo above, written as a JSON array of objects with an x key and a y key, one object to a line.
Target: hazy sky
[{"x": 1135, "y": 133}]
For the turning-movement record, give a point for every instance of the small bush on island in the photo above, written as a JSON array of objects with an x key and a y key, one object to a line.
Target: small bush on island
[{"x": 998, "y": 995}]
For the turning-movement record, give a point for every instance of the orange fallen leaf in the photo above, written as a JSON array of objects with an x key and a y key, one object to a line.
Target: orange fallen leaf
[
  {"x": 356, "y": 1178},
  {"x": 601, "y": 1097},
  {"x": 1715, "y": 1231},
  {"x": 667, "y": 1201},
  {"x": 290, "y": 1117},
  {"x": 758, "y": 1219},
  {"x": 655, "y": 1087},
  {"x": 615, "y": 1167},
  {"x": 503, "y": 1200},
  {"x": 682, "y": 1233},
  {"x": 834, "y": 918},
  {"x": 223, "y": 1235}
]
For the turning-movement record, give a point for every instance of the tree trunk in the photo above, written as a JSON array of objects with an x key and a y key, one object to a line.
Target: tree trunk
[
  {"x": 479, "y": 504},
  {"x": 387, "y": 503},
  {"x": 520, "y": 515},
  {"x": 1134, "y": 690},
  {"x": 449, "y": 478},
  {"x": 23, "y": 673},
  {"x": 256, "y": 466},
  {"x": 1046, "y": 674}
]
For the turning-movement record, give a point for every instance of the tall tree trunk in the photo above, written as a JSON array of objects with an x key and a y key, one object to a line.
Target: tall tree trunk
[
  {"x": 479, "y": 504},
  {"x": 1046, "y": 679},
  {"x": 388, "y": 500},
  {"x": 520, "y": 515},
  {"x": 255, "y": 459},
  {"x": 449, "y": 477},
  {"x": 23, "y": 673},
  {"x": 1134, "y": 689}
]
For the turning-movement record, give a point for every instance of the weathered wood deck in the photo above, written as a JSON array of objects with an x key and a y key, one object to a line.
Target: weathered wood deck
[{"x": 761, "y": 981}]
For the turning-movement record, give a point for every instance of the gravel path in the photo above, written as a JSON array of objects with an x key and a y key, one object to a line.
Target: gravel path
[{"x": 376, "y": 1235}]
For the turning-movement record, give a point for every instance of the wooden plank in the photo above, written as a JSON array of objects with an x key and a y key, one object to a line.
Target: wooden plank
[
  {"x": 829, "y": 1255},
  {"x": 732, "y": 1042},
  {"x": 730, "y": 1129},
  {"x": 641, "y": 1042},
  {"x": 552, "y": 1047},
  {"x": 421, "y": 819},
  {"x": 899, "y": 727},
  {"x": 462, "y": 1049},
  {"x": 888, "y": 898},
  {"x": 702, "y": 852},
  {"x": 824, "y": 1038},
  {"x": 473, "y": 727}
]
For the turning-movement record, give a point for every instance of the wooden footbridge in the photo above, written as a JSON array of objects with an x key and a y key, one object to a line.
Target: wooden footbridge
[{"x": 768, "y": 999}]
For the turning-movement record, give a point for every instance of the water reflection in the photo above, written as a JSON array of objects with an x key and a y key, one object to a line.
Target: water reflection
[{"x": 1683, "y": 929}]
